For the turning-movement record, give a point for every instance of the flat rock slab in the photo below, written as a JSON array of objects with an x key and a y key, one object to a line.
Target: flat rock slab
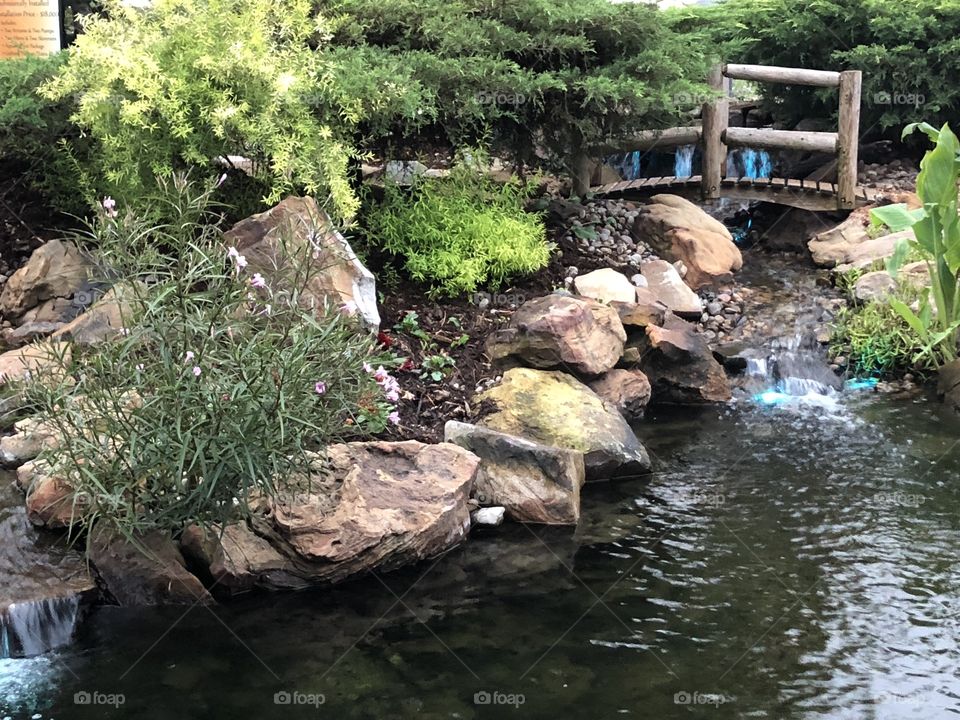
[
  {"x": 149, "y": 570},
  {"x": 553, "y": 408},
  {"x": 605, "y": 285},
  {"x": 535, "y": 483},
  {"x": 398, "y": 503}
]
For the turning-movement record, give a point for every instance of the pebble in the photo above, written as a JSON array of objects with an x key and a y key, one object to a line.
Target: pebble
[
  {"x": 639, "y": 280},
  {"x": 714, "y": 308}
]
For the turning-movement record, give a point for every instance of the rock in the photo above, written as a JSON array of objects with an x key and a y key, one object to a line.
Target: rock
[
  {"x": 103, "y": 320},
  {"x": 680, "y": 366},
  {"x": 488, "y": 516},
  {"x": 147, "y": 571},
  {"x": 37, "y": 361},
  {"x": 646, "y": 311},
  {"x": 398, "y": 503},
  {"x": 948, "y": 384},
  {"x": 626, "y": 390},
  {"x": 638, "y": 280},
  {"x": 55, "y": 310},
  {"x": 666, "y": 285},
  {"x": 680, "y": 231},
  {"x": 561, "y": 330},
  {"x": 29, "y": 332},
  {"x": 238, "y": 560},
  {"x": 51, "y": 501},
  {"x": 535, "y": 483},
  {"x": 869, "y": 252},
  {"x": 874, "y": 285},
  {"x": 55, "y": 270},
  {"x": 553, "y": 408},
  {"x": 296, "y": 237},
  {"x": 605, "y": 286},
  {"x": 29, "y": 439}
]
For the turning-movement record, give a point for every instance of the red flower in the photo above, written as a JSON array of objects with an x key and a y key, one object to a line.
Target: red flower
[{"x": 384, "y": 339}]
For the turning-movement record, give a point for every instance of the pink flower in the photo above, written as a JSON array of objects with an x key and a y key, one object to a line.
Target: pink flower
[
  {"x": 197, "y": 371},
  {"x": 258, "y": 282},
  {"x": 320, "y": 388},
  {"x": 381, "y": 375},
  {"x": 222, "y": 180},
  {"x": 394, "y": 418},
  {"x": 238, "y": 260},
  {"x": 367, "y": 367},
  {"x": 109, "y": 207},
  {"x": 188, "y": 356}
]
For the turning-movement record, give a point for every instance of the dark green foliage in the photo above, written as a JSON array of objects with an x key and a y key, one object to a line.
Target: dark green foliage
[
  {"x": 31, "y": 130},
  {"x": 909, "y": 53},
  {"x": 538, "y": 77}
]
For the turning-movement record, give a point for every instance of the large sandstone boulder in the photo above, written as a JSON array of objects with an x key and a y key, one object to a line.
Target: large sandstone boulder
[
  {"x": 561, "y": 330},
  {"x": 535, "y": 483},
  {"x": 40, "y": 361},
  {"x": 238, "y": 560},
  {"x": 103, "y": 320},
  {"x": 297, "y": 239},
  {"x": 605, "y": 285},
  {"x": 680, "y": 366},
  {"x": 667, "y": 287},
  {"x": 553, "y": 408},
  {"x": 54, "y": 270},
  {"x": 627, "y": 390},
  {"x": 397, "y": 503},
  {"x": 849, "y": 245},
  {"x": 147, "y": 571},
  {"x": 679, "y": 230},
  {"x": 30, "y": 437}
]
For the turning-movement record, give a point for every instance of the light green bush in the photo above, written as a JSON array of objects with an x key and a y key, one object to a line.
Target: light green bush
[
  {"x": 460, "y": 233},
  {"x": 216, "y": 388},
  {"x": 182, "y": 82}
]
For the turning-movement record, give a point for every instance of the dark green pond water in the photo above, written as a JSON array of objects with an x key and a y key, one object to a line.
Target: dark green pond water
[{"x": 780, "y": 564}]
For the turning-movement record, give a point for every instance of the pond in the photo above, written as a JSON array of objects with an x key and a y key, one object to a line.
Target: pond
[{"x": 783, "y": 562}]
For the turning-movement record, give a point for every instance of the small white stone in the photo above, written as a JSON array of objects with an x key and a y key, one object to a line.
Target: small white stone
[{"x": 488, "y": 516}]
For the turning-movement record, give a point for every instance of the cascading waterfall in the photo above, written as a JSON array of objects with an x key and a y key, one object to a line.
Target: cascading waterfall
[
  {"x": 749, "y": 163},
  {"x": 35, "y": 627},
  {"x": 793, "y": 369},
  {"x": 683, "y": 161}
]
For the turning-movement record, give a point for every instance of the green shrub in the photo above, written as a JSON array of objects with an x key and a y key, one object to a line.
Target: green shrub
[
  {"x": 909, "y": 53},
  {"x": 183, "y": 82},
  {"x": 936, "y": 228},
  {"x": 541, "y": 78},
  {"x": 215, "y": 389},
  {"x": 31, "y": 131},
  {"x": 876, "y": 340},
  {"x": 460, "y": 233}
]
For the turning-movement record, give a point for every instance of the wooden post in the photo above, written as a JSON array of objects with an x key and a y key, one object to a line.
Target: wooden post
[
  {"x": 580, "y": 173},
  {"x": 848, "y": 139},
  {"x": 716, "y": 114}
]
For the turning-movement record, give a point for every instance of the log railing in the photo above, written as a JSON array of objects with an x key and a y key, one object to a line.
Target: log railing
[{"x": 716, "y": 137}]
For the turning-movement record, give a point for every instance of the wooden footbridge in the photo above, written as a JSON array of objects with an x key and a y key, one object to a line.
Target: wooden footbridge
[{"x": 715, "y": 137}]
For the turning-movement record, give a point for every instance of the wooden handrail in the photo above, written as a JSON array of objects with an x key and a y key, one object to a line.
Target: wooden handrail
[
  {"x": 783, "y": 75},
  {"x": 649, "y": 139},
  {"x": 825, "y": 142}
]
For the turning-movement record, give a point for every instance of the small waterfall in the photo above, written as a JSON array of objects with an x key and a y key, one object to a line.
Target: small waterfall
[
  {"x": 749, "y": 163},
  {"x": 794, "y": 369},
  {"x": 683, "y": 161},
  {"x": 35, "y": 627}
]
